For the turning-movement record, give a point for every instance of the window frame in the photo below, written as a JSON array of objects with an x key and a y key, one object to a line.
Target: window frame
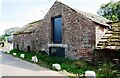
[{"x": 52, "y": 28}]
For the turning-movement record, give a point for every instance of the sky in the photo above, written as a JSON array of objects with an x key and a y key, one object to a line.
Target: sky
[{"x": 18, "y": 13}]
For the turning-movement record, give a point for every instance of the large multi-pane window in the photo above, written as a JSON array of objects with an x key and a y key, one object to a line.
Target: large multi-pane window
[{"x": 57, "y": 30}]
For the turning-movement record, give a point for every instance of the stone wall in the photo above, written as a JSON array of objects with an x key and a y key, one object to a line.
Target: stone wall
[
  {"x": 78, "y": 32},
  {"x": 106, "y": 54},
  {"x": 18, "y": 40},
  {"x": 27, "y": 37}
]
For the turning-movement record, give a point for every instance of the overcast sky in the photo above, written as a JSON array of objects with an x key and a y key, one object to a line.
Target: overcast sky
[{"x": 17, "y": 13}]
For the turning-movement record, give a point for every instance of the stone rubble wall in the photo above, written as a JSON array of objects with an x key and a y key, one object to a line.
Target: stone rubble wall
[{"x": 78, "y": 33}]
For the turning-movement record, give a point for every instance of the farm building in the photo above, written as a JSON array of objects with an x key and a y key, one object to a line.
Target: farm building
[{"x": 63, "y": 32}]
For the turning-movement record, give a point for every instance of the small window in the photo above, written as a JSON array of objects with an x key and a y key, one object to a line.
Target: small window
[
  {"x": 28, "y": 48},
  {"x": 17, "y": 47},
  {"x": 57, "y": 51}
]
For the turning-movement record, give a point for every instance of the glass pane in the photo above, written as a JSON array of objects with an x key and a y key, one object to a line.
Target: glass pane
[{"x": 57, "y": 30}]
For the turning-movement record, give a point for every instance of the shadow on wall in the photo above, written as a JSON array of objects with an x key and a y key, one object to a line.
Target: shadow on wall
[{"x": 106, "y": 54}]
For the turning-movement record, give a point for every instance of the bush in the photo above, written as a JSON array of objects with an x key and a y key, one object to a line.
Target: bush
[{"x": 106, "y": 69}]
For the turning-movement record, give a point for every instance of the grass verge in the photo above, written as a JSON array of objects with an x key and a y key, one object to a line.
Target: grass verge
[{"x": 78, "y": 67}]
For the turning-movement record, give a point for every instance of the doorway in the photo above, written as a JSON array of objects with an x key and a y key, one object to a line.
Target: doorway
[
  {"x": 57, "y": 51},
  {"x": 28, "y": 48}
]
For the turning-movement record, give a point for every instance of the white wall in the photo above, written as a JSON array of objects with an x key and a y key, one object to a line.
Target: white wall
[{"x": 99, "y": 33}]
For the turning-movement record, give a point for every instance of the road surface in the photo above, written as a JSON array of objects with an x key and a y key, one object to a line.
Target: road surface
[{"x": 12, "y": 66}]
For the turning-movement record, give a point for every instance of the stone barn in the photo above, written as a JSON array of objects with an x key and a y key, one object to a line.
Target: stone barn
[
  {"x": 25, "y": 39},
  {"x": 63, "y": 32}
]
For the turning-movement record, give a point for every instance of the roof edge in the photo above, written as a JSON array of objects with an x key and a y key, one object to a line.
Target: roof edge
[{"x": 80, "y": 13}]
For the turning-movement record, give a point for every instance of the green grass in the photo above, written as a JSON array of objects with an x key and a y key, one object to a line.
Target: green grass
[{"x": 73, "y": 66}]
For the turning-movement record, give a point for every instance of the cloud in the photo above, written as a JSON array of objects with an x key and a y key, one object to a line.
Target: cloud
[
  {"x": 32, "y": 10},
  {"x": 33, "y": 14},
  {"x": 23, "y": 0}
]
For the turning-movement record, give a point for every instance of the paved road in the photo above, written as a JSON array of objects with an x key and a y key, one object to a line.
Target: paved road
[
  {"x": 12, "y": 66},
  {"x": 7, "y": 47}
]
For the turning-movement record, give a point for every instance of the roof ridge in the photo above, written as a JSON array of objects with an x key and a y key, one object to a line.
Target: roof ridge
[{"x": 99, "y": 19}]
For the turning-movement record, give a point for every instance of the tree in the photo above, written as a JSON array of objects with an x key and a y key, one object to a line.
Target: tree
[
  {"x": 110, "y": 11},
  {"x": 3, "y": 38},
  {"x": 10, "y": 31}
]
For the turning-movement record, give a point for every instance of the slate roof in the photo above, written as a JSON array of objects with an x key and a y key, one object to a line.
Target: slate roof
[
  {"x": 95, "y": 18},
  {"x": 29, "y": 28}
]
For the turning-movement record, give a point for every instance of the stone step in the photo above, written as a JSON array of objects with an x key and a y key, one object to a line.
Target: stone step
[
  {"x": 110, "y": 37},
  {"x": 109, "y": 41},
  {"x": 116, "y": 26},
  {"x": 113, "y": 44},
  {"x": 109, "y": 44},
  {"x": 114, "y": 41},
  {"x": 104, "y": 38},
  {"x": 115, "y": 38},
  {"x": 107, "y": 35},
  {"x": 110, "y": 33},
  {"x": 100, "y": 44},
  {"x": 102, "y": 41},
  {"x": 108, "y": 47},
  {"x": 111, "y": 47},
  {"x": 98, "y": 47},
  {"x": 116, "y": 30}
]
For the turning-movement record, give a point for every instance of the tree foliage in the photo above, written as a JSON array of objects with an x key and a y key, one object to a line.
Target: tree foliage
[
  {"x": 10, "y": 31},
  {"x": 3, "y": 38},
  {"x": 110, "y": 11}
]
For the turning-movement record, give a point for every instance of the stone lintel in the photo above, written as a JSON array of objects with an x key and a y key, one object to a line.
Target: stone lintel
[{"x": 58, "y": 45}]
